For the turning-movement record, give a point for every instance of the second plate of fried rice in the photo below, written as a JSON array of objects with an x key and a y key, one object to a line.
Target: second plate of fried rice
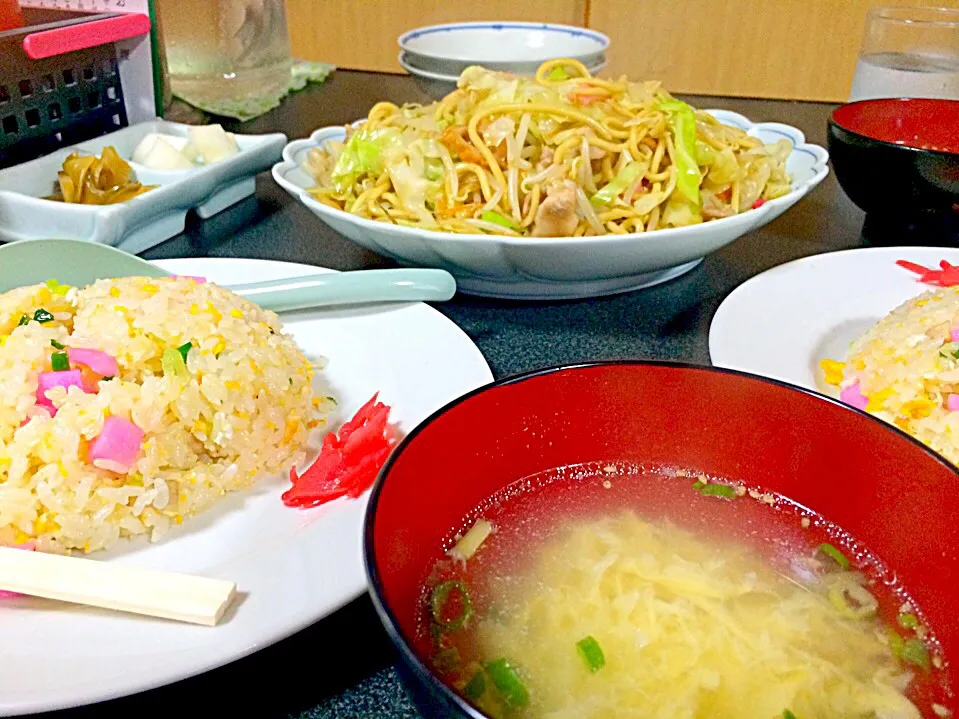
[
  {"x": 856, "y": 326},
  {"x": 223, "y": 398}
]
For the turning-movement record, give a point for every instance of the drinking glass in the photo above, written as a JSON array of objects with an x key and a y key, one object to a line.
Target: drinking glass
[
  {"x": 226, "y": 49},
  {"x": 908, "y": 52}
]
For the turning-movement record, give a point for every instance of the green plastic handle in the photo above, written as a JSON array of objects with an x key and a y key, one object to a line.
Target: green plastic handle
[{"x": 355, "y": 287}]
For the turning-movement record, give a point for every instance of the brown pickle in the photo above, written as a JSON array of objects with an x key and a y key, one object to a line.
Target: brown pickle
[{"x": 91, "y": 180}]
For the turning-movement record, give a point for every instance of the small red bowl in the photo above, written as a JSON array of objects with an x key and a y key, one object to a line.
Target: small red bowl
[
  {"x": 887, "y": 489},
  {"x": 898, "y": 160}
]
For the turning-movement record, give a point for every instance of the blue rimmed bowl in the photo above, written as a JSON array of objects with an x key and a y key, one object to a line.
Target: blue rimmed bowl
[{"x": 518, "y": 47}]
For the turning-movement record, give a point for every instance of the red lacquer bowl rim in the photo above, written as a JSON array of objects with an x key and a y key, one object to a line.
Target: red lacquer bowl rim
[
  {"x": 385, "y": 612},
  {"x": 836, "y": 119}
]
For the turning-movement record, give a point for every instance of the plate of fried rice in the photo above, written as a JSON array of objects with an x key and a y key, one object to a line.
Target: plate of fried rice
[
  {"x": 154, "y": 422},
  {"x": 858, "y": 325}
]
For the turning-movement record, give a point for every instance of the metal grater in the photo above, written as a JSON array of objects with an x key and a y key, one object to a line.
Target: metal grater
[
  {"x": 79, "y": 69},
  {"x": 46, "y": 104}
]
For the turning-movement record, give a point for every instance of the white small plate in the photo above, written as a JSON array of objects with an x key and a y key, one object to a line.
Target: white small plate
[
  {"x": 292, "y": 566},
  {"x": 144, "y": 221},
  {"x": 781, "y": 323}
]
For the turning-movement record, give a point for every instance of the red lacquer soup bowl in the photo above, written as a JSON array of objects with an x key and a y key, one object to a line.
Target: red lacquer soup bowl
[
  {"x": 898, "y": 160},
  {"x": 887, "y": 490}
]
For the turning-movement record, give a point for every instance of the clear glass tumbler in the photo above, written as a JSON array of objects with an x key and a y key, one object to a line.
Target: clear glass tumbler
[
  {"x": 220, "y": 50},
  {"x": 908, "y": 52}
]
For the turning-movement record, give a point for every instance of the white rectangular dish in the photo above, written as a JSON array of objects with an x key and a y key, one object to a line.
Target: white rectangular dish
[{"x": 144, "y": 221}]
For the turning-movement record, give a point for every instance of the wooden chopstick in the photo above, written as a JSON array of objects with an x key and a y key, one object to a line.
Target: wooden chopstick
[{"x": 112, "y": 585}]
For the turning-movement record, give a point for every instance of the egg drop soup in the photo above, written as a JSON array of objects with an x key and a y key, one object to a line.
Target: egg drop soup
[{"x": 609, "y": 590}]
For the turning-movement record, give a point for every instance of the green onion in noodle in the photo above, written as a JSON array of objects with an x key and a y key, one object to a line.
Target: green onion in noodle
[
  {"x": 498, "y": 219},
  {"x": 42, "y": 316}
]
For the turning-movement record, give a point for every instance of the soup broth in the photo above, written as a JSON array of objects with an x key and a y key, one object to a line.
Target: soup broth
[{"x": 609, "y": 590}]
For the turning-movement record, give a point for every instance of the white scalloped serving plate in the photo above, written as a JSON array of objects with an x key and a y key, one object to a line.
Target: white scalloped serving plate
[{"x": 561, "y": 268}]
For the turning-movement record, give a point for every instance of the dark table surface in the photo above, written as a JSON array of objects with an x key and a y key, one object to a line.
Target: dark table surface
[{"x": 343, "y": 665}]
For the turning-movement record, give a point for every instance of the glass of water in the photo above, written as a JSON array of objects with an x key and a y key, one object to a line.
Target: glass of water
[
  {"x": 219, "y": 50},
  {"x": 908, "y": 52}
]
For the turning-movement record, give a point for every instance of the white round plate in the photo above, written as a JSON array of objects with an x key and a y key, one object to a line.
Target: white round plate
[
  {"x": 781, "y": 323},
  {"x": 292, "y": 567}
]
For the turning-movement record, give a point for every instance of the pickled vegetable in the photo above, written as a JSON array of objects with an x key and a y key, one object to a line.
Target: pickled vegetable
[{"x": 91, "y": 180}]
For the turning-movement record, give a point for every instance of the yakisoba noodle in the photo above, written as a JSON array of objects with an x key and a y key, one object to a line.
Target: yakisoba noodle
[{"x": 561, "y": 154}]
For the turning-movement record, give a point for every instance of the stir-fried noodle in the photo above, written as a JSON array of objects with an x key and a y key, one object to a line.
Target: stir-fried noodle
[{"x": 560, "y": 154}]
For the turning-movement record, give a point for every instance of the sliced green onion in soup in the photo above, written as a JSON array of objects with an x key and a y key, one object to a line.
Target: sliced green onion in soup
[
  {"x": 834, "y": 554},
  {"x": 591, "y": 653},
  {"x": 896, "y": 643},
  {"x": 915, "y": 652},
  {"x": 476, "y": 686},
  {"x": 471, "y": 541},
  {"x": 42, "y": 316},
  {"x": 852, "y": 599},
  {"x": 447, "y": 660},
  {"x": 719, "y": 490},
  {"x": 908, "y": 621},
  {"x": 507, "y": 683},
  {"x": 446, "y": 595}
]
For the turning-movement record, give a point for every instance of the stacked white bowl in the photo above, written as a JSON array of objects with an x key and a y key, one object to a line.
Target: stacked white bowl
[{"x": 437, "y": 54}]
